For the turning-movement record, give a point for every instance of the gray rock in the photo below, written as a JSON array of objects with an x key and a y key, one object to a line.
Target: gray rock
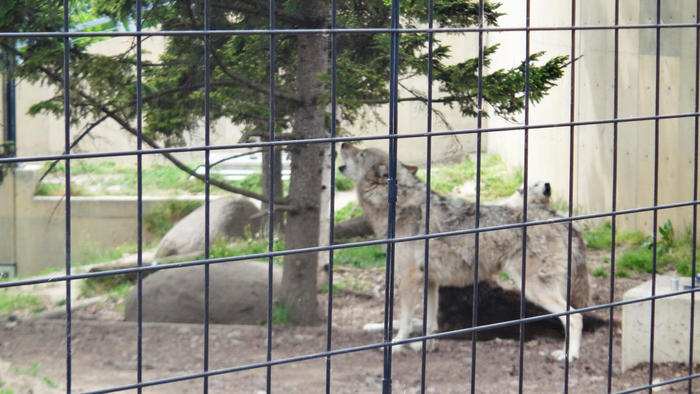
[
  {"x": 228, "y": 218},
  {"x": 237, "y": 294}
]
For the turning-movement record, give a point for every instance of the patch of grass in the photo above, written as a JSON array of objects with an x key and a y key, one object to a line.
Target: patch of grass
[
  {"x": 79, "y": 167},
  {"x": 114, "y": 286},
  {"x": 164, "y": 216},
  {"x": 361, "y": 257},
  {"x": 92, "y": 253},
  {"x": 350, "y": 210},
  {"x": 443, "y": 179},
  {"x": 11, "y": 302},
  {"x": 342, "y": 183},
  {"x": 600, "y": 237},
  {"x": 347, "y": 283},
  {"x": 228, "y": 248},
  {"x": 629, "y": 238},
  {"x": 497, "y": 180},
  {"x": 672, "y": 252},
  {"x": 280, "y": 314},
  {"x": 639, "y": 260},
  {"x": 35, "y": 372},
  {"x": 600, "y": 272},
  {"x": 622, "y": 273},
  {"x": 58, "y": 189},
  {"x": 504, "y": 275}
]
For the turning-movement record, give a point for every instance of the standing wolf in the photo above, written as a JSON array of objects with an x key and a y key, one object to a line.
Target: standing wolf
[{"x": 452, "y": 259}]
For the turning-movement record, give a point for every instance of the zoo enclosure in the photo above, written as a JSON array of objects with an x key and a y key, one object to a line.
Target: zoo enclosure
[{"x": 654, "y": 122}]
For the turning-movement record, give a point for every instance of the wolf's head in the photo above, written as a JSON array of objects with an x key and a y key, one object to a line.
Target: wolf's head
[
  {"x": 369, "y": 166},
  {"x": 538, "y": 192}
]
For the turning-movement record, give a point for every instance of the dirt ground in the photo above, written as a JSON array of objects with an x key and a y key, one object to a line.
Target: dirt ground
[{"x": 33, "y": 354}]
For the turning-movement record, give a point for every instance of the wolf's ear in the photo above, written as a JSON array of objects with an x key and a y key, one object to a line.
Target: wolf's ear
[
  {"x": 413, "y": 169},
  {"x": 380, "y": 171}
]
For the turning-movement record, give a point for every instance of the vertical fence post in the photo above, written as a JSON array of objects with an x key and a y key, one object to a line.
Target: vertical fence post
[
  {"x": 139, "y": 197},
  {"x": 66, "y": 131},
  {"x": 526, "y": 131}
]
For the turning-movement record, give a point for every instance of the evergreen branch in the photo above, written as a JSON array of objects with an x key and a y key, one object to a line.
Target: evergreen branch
[
  {"x": 262, "y": 88},
  {"x": 56, "y": 79}
]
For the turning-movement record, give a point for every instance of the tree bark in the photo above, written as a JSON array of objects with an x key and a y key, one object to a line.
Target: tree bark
[
  {"x": 278, "y": 192},
  {"x": 298, "y": 287}
]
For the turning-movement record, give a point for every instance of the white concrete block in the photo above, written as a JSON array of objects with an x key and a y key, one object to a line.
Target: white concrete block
[{"x": 671, "y": 325}]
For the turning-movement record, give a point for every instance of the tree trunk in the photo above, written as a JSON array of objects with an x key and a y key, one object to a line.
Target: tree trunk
[
  {"x": 277, "y": 176},
  {"x": 298, "y": 288}
]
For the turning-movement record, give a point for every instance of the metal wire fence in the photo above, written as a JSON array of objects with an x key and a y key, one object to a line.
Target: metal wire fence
[{"x": 394, "y": 31}]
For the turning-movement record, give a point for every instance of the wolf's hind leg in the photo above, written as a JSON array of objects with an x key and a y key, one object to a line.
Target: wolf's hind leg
[
  {"x": 544, "y": 295},
  {"x": 408, "y": 295},
  {"x": 431, "y": 318}
]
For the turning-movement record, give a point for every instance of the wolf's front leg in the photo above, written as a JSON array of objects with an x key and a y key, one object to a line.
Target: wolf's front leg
[{"x": 407, "y": 301}]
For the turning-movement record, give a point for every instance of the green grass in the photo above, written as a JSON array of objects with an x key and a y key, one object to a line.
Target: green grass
[
  {"x": 350, "y": 210},
  {"x": 672, "y": 252},
  {"x": 164, "y": 216},
  {"x": 280, "y": 314},
  {"x": 497, "y": 180},
  {"x": 361, "y": 257},
  {"x": 93, "y": 253},
  {"x": 110, "y": 178},
  {"x": 347, "y": 283},
  {"x": 35, "y": 372},
  {"x": 10, "y": 302},
  {"x": 114, "y": 286},
  {"x": 600, "y": 272},
  {"x": 443, "y": 179},
  {"x": 639, "y": 260},
  {"x": 622, "y": 273},
  {"x": 342, "y": 183},
  {"x": 600, "y": 237},
  {"x": 228, "y": 248}
]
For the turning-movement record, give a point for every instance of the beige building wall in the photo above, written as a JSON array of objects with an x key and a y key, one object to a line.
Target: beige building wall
[{"x": 594, "y": 100}]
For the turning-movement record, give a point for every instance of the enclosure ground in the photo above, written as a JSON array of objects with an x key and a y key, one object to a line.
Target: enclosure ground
[{"x": 104, "y": 355}]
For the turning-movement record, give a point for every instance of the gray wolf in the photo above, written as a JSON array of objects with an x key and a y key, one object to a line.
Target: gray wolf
[{"x": 452, "y": 259}]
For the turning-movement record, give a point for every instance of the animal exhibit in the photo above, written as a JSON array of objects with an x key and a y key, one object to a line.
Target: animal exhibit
[{"x": 452, "y": 259}]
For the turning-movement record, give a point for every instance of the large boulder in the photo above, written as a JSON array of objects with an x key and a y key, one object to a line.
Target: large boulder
[
  {"x": 237, "y": 294},
  {"x": 229, "y": 217}
]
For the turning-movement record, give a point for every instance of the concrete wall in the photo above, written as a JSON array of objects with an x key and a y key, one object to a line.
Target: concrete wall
[
  {"x": 549, "y": 149},
  {"x": 33, "y": 228}
]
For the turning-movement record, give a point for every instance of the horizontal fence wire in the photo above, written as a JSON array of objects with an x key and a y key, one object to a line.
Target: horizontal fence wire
[
  {"x": 364, "y": 30},
  {"x": 383, "y": 241},
  {"x": 390, "y": 240},
  {"x": 292, "y": 142}
]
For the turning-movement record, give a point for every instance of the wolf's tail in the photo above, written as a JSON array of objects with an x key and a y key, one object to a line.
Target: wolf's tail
[{"x": 580, "y": 288}]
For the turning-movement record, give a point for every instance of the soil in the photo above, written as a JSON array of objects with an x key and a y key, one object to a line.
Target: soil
[{"x": 104, "y": 352}]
